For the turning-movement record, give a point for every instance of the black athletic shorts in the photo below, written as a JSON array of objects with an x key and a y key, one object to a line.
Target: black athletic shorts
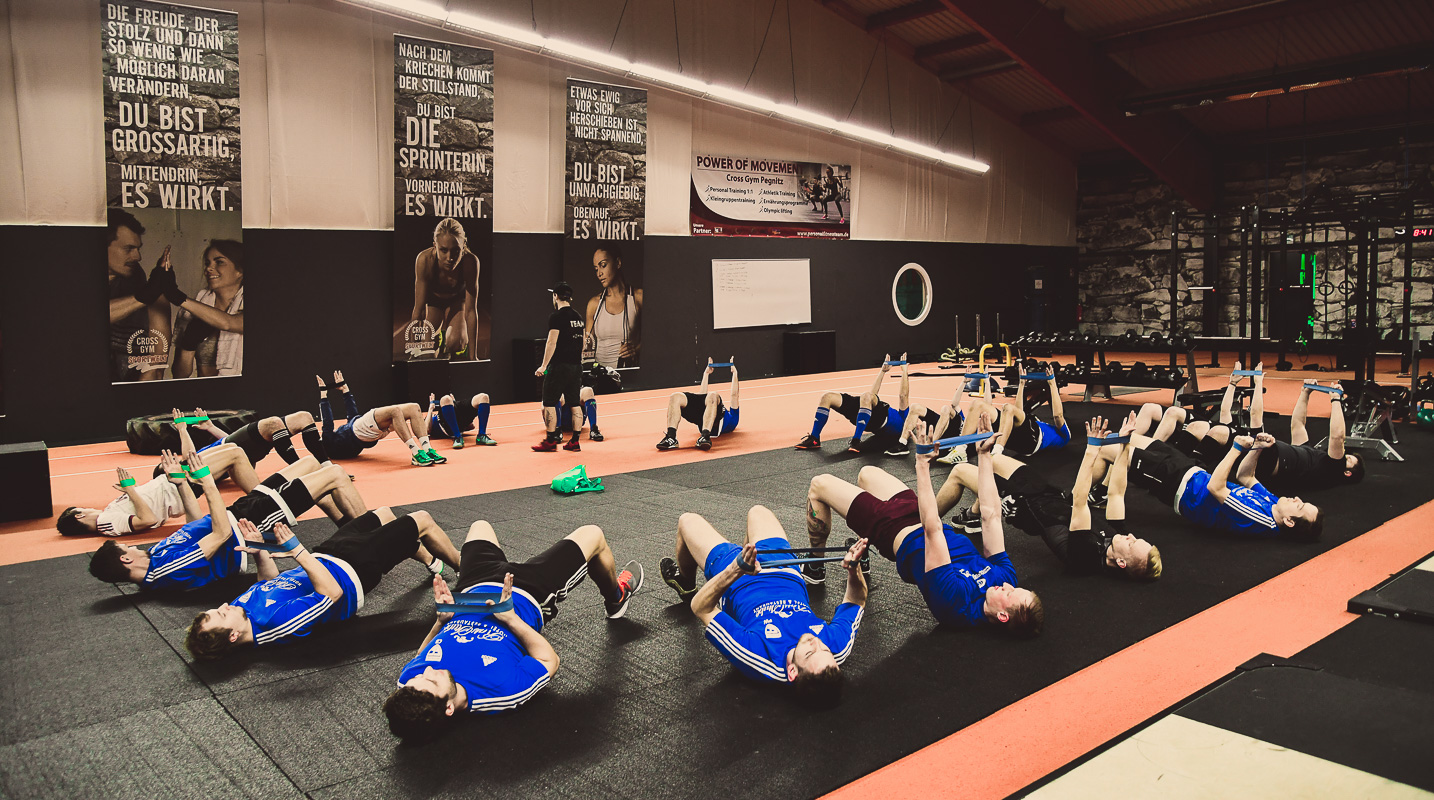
[
  {"x": 1025, "y": 438},
  {"x": 1205, "y": 449},
  {"x": 255, "y": 447},
  {"x": 851, "y": 406},
  {"x": 549, "y": 576},
  {"x": 1039, "y": 505},
  {"x": 260, "y": 508},
  {"x": 697, "y": 406},
  {"x": 1159, "y": 467},
  {"x": 562, "y": 380},
  {"x": 371, "y": 547}
]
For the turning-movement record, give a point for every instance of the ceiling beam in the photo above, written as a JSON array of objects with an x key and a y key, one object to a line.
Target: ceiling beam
[
  {"x": 900, "y": 14},
  {"x": 1047, "y": 116},
  {"x": 1092, "y": 83},
  {"x": 947, "y": 46},
  {"x": 1228, "y": 19},
  {"x": 1323, "y": 130},
  {"x": 983, "y": 70}
]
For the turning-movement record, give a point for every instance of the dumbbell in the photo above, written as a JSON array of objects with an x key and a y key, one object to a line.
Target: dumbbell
[
  {"x": 1012, "y": 373},
  {"x": 1115, "y": 369},
  {"x": 1157, "y": 340},
  {"x": 1139, "y": 372},
  {"x": 1129, "y": 339}
]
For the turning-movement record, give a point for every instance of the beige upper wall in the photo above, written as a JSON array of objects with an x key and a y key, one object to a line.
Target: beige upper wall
[{"x": 316, "y": 90}]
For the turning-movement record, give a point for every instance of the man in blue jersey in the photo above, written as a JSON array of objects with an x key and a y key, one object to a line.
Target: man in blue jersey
[
  {"x": 961, "y": 586},
  {"x": 865, "y": 411},
  {"x": 484, "y": 663},
  {"x": 202, "y": 551},
  {"x": 1212, "y": 499},
  {"x": 760, "y": 618},
  {"x": 329, "y": 584}
]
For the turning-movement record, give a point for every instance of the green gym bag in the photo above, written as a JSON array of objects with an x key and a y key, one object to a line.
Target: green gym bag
[{"x": 575, "y": 481}]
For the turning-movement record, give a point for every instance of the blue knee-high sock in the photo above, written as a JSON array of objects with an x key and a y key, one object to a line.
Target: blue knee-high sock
[
  {"x": 590, "y": 408},
  {"x": 862, "y": 417},
  {"x": 821, "y": 421},
  {"x": 482, "y": 419},
  {"x": 449, "y": 414}
]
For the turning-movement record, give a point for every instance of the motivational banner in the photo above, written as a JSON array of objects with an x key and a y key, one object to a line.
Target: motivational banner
[
  {"x": 734, "y": 196},
  {"x": 172, "y": 189},
  {"x": 443, "y": 201},
  {"x": 605, "y": 211}
]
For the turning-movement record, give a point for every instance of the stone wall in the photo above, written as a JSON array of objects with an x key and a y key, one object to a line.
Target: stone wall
[{"x": 1124, "y": 218}]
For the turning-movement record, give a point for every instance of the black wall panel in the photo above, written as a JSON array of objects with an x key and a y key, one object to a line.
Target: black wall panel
[{"x": 318, "y": 299}]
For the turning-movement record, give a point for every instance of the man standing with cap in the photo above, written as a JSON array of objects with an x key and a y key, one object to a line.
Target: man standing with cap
[{"x": 561, "y": 369}]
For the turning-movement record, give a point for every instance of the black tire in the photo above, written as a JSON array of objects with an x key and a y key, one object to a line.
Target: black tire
[{"x": 148, "y": 435}]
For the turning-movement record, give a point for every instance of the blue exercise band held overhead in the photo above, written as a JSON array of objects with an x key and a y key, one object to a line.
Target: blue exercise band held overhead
[
  {"x": 1098, "y": 441},
  {"x": 896, "y": 363},
  {"x": 269, "y": 547},
  {"x": 1247, "y": 373},
  {"x": 954, "y": 441},
  {"x": 1315, "y": 387},
  {"x": 477, "y": 603},
  {"x": 1036, "y": 376},
  {"x": 715, "y": 366}
]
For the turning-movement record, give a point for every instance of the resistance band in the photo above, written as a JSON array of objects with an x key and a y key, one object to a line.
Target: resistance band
[
  {"x": 1246, "y": 373},
  {"x": 1315, "y": 387},
  {"x": 126, "y": 483},
  {"x": 954, "y": 441},
  {"x": 1036, "y": 376},
  {"x": 477, "y": 603},
  {"x": 715, "y": 366},
  {"x": 896, "y": 363},
  {"x": 191, "y": 420},
  {"x": 1097, "y": 441},
  {"x": 268, "y": 547}
]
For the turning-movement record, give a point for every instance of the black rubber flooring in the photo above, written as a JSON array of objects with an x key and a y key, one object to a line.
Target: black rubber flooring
[{"x": 97, "y": 698}]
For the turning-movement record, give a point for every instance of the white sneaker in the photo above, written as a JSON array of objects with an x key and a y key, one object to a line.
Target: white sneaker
[{"x": 956, "y": 456}]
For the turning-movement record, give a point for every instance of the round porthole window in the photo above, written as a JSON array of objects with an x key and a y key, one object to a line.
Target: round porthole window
[{"x": 911, "y": 294}]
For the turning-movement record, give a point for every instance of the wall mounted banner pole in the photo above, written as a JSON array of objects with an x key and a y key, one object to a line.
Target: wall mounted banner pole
[
  {"x": 605, "y": 186},
  {"x": 173, "y": 247},
  {"x": 442, "y": 200}
]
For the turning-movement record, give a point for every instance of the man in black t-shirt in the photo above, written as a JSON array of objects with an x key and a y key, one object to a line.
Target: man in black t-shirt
[{"x": 561, "y": 369}]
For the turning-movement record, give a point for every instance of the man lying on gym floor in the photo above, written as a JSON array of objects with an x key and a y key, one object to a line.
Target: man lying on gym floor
[
  {"x": 484, "y": 663},
  {"x": 329, "y": 585},
  {"x": 759, "y": 617},
  {"x": 1063, "y": 522},
  {"x": 362, "y": 431},
  {"x": 704, "y": 409},
  {"x": 867, "y": 409},
  {"x": 201, "y": 551},
  {"x": 1021, "y": 433},
  {"x": 1210, "y": 498},
  {"x": 448, "y": 419},
  {"x": 961, "y": 587},
  {"x": 262, "y": 437},
  {"x": 923, "y": 418}
]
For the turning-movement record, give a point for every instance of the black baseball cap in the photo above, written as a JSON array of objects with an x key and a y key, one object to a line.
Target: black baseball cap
[{"x": 562, "y": 290}]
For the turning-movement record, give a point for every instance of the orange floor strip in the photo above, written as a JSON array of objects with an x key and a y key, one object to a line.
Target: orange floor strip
[{"x": 1029, "y": 739}]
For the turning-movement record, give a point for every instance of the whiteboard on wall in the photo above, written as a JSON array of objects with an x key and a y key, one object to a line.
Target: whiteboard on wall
[{"x": 747, "y": 292}]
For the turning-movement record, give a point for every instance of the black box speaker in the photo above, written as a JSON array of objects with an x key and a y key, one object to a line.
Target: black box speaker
[
  {"x": 25, "y": 476},
  {"x": 805, "y": 352},
  {"x": 413, "y": 381},
  {"x": 527, "y": 355}
]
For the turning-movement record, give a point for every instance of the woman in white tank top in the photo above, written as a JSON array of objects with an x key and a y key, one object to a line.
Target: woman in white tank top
[{"x": 613, "y": 320}]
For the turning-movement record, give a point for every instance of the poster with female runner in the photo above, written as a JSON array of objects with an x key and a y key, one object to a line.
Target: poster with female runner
[
  {"x": 443, "y": 200},
  {"x": 174, "y": 256},
  {"x": 605, "y": 212}
]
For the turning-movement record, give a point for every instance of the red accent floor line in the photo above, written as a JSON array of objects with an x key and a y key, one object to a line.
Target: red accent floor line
[{"x": 1029, "y": 739}]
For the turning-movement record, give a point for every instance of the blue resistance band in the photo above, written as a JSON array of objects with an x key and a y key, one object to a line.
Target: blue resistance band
[
  {"x": 1097, "y": 441},
  {"x": 715, "y": 366},
  {"x": 977, "y": 375},
  {"x": 954, "y": 441},
  {"x": 1246, "y": 373},
  {"x": 289, "y": 546},
  {"x": 1315, "y": 387},
  {"x": 787, "y": 562},
  {"x": 896, "y": 363},
  {"x": 477, "y": 603},
  {"x": 1036, "y": 376}
]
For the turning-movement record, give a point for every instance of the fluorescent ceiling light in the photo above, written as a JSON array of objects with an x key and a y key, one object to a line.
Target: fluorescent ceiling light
[{"x": 472, "y": 24}]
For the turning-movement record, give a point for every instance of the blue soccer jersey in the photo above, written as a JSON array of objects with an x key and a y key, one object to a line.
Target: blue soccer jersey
[
  {"x": 1247, "y": 509},
  {"x": 485, "y": 658},
  {"x": 764, "y": 616},
  {"x": 956, "y": 592},
  {"x": 288, "y": 605},
  {"x": 176, "y": 562}
]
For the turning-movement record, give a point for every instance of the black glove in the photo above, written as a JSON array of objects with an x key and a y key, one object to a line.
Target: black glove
[
  {"x": 170, "y": 288},
  {"x": 150, "y": 291}
]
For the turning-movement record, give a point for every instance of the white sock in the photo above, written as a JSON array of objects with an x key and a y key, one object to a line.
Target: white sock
[
  {"x": 412, "y": 445},
  {"x": 423, "y": 443}
]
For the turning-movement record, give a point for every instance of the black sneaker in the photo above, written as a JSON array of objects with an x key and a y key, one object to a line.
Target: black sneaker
[
  {"x": 667, "y": 567},
  {"x": 865, "y": 557},
  {"x": 630, "y": 580},
  {"x": 1098, "y": 496},
  {"x": 898, "y": 449},
  {"x": 704, "y": 443},
  {"x": 968, "y": 519},
  {"x": 814, "y": 572},
  {"x": 595, "y": 435},
  {"x": 667, "y": 443},
  {"x": 855, "y": 446},
  {"x": 809, "y": 442}
]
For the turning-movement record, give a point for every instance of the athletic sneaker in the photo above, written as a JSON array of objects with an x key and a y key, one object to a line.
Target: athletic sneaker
[
  {"x": 865, "y": 557},
  {"x": 436, "y": 566},
  {"x": 968, "y": 519},
  {"x": 898, "y": 449},
  {"x": 434, "y": 457},
  {"x": 1098, "y": 496},
  {"x": 595, "y": 435},
  {"x": 484, "y": 439},
  {"x": 1008, "y": 507},
  {"x": 667, "y": 443},
  {"x": 546, "y": 446},
  {"x": 673, "y": 577},
  {"x": 420, "y": 459},
  {"x": 458, "y": 443},
  {"x": 809, "y": 442},
  {"x": 630, "y": 582},
  {"x": 956, "y": 455},
  {"x": 704, "y": 443},
  {"x": 855, "y": 446},
  {"x": 572, "y": 446},
  {"x": 814, "y": 572}
]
